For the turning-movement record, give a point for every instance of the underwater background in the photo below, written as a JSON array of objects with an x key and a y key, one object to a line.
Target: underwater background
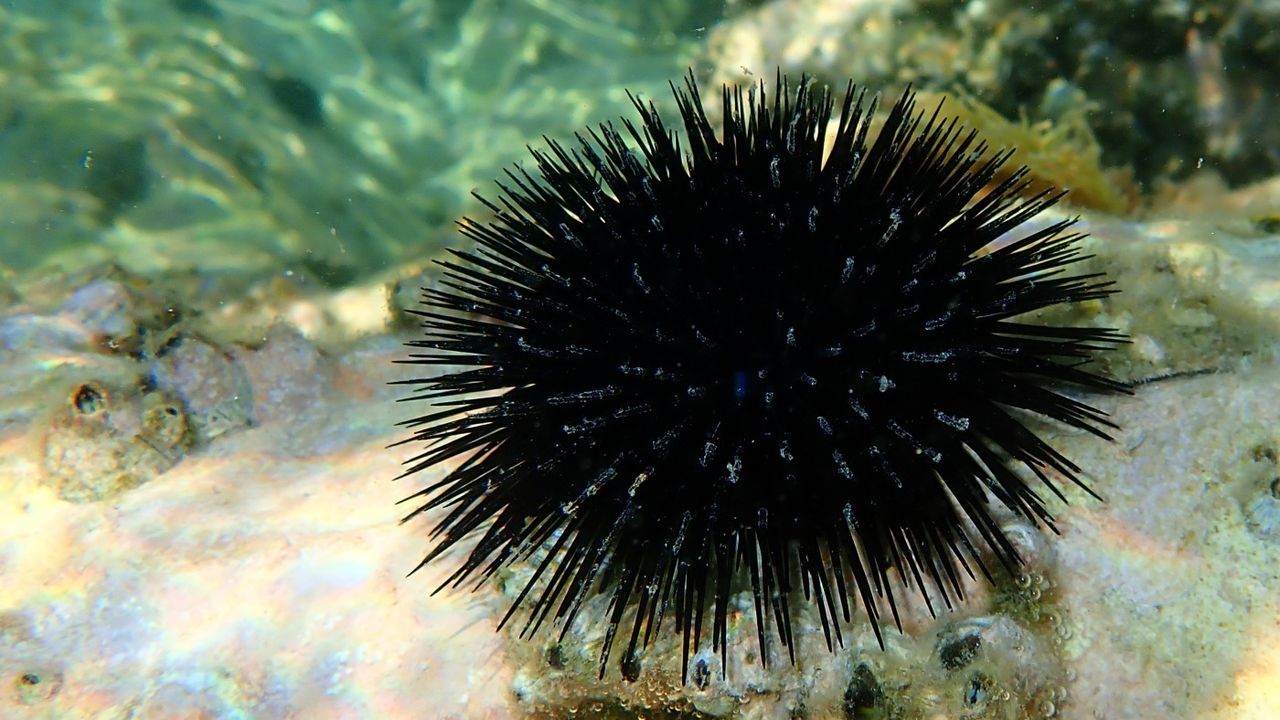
[{"x": 213, "y": 214}]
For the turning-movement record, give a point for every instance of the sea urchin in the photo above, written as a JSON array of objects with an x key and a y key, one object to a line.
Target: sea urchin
[{"x": 768, "y": 356}]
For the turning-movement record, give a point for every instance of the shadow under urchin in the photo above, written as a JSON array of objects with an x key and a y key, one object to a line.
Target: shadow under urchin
[{"x": 759, "y": 355}]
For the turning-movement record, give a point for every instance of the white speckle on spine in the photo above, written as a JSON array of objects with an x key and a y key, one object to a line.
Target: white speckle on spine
[
  {"x": 937, "y": 322},
  {"x": 630, "y": 410},
  {"x": 733, "y": 468},
  {"x": 775, "y": 173},
  {"x": 568, "y": 235},
  {"x": 895, "y": 222},
  {"x": 604, "y": 477},
  {"x": 635, "y": 275},
  {"x": 791, "y": 337},
  {"x": 813, "y": 219},
  {"x": 926, "y": 357},
  {"x": 527, "y": 347},
  {"x": 959, "y": 423},
  {"x": 886, "y": 384},
  {"x": 559, "y": 279},
  {"x": 857, "y": 407},
  {"x": 581, "y": 427},
  {"x": 571, "y": 398},
  {"x": 847, "y": 272},
  {"x": 784, "y": 451},
  {"x": 664, "y": 440},
  {"x": 901, "y": 432},
  {"x": 824, "y": 425},
  {"x": 842, "y": 467},
  {"x": 708, "y": 450},
  {"x": 635, "y": 484},
  {"x": 685, "y": 519},
  {"x": 808, "y": 379}
]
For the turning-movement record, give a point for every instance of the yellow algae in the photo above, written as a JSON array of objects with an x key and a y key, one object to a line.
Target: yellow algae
[{"x": 1063, "y": 154}]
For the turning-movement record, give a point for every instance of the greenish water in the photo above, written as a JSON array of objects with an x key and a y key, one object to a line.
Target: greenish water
[
  {"x": 336, "y": 140},
  {"x": 341, "y": 140}
]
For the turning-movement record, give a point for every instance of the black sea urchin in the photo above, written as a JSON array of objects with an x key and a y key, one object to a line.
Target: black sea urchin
[{"x": 750, "y": 358}]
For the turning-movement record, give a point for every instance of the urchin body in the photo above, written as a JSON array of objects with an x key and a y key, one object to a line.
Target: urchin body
[{"x": 753, "y": 356}]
